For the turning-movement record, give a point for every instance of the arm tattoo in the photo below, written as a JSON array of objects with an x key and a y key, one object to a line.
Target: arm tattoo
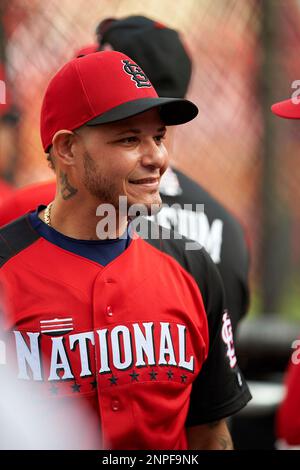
[
  {"x": 67, "y": 191},
  {"x": 224, "y": 441}
]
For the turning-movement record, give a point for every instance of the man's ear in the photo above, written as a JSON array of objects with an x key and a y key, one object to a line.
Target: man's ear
[{"x": 62, "y": 143}]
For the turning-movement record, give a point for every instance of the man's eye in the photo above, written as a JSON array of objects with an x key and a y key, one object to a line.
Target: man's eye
[
  {"x": 159, "y": 138},
  {"x": 128, "y": 140}
]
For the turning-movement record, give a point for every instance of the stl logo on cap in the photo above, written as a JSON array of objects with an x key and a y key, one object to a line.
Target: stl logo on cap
[{"x": 137, "y": 75}]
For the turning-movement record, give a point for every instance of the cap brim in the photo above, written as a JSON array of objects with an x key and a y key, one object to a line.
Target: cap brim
[
  {"x": 173, "y": 111},
  {"x": 288, "y": 109}
]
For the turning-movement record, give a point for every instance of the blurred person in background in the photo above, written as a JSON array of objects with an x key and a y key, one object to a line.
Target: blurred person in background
[
  {"x": 160, "y": 51},
  {"x": 22, "y": 200},
  {"x": 9, "y": 118},
  {"x": 288, "y": 415}
]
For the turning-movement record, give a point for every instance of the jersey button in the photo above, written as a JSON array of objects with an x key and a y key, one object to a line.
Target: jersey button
[
  {"x": 115, "y": 405},
  {"x": 109, "y": 311}
]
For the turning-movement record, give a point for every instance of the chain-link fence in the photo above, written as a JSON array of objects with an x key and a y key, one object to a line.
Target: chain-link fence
[{"x": 225, "y": 148}]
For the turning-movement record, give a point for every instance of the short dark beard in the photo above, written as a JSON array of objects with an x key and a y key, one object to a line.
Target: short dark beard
[
  {"x": 103, "y": 188},
  {"x": 98, "y": 185}
]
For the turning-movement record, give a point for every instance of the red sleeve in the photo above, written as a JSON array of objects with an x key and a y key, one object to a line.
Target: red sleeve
[
  {"x": 288, "y": 415},
  {"x": 26, "y": 199}
]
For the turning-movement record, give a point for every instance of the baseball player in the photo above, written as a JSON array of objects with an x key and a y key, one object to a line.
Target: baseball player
[
  {"x": 134, "y": 326},
  {"x": 288, "y": 416},
  {"x": 161, "y": 53}
]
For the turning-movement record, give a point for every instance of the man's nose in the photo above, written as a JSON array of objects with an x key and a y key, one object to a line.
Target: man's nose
[{"x": 154, "y": 155}]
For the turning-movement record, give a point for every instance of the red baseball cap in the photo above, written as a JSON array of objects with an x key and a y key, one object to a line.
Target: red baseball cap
[
  {"x": 289, "y": 109},
  {"x": 101, "y": 88}
]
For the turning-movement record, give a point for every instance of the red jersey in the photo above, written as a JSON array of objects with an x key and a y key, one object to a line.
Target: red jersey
[
  {"x": 150, "y": 350},
  {"x": 288, "y": 415},
  {"x": 6, "y": 190},
  {"x": 23, "y": 200}
]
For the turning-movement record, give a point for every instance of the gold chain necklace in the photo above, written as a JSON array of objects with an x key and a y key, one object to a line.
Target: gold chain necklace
[{"x": 47, "y": 214}]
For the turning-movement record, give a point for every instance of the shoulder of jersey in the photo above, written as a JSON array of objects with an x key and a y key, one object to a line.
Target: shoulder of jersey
[
  {"x": 195, "y": 260},
  {"x": 19, "y": 234},
  {"x": 15, "y": 237}
]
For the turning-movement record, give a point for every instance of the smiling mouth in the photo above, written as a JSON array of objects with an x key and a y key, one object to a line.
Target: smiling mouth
[{"x": 146, "y": 181}]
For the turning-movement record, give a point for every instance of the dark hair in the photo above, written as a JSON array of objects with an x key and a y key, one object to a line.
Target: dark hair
[{"x": 50, "y": 159}]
